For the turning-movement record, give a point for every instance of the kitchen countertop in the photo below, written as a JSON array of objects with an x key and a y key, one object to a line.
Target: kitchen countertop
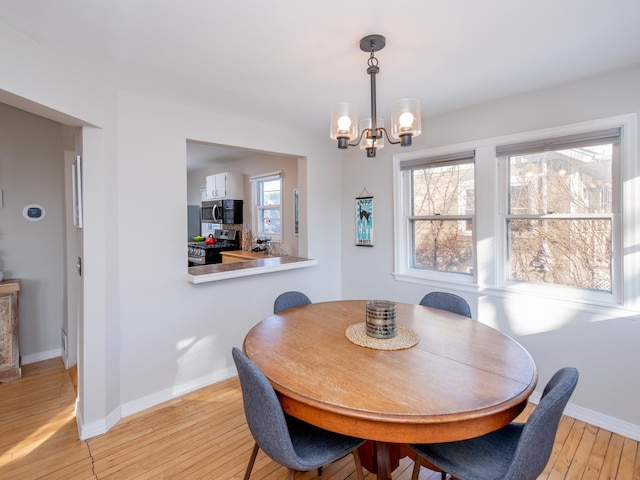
[
  {"x": 263, "y": 264},
  {"x": 243, "y": 255}
]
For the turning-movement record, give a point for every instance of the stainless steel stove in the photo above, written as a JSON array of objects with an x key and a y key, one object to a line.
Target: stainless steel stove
[{"x": 202, "y": 254}]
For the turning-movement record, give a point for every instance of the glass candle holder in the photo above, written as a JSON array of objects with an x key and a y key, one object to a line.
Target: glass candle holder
[{"x": 381, "y": 319}]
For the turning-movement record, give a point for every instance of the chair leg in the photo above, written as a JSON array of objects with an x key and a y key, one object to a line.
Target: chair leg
[
  {"x": 356, "y": 459},
  {"x": 292, "y": 474},
  {"x": 319, "y": 471},
  {"x": 252, "y": 460},
  {"x": 416, "y": 468}
]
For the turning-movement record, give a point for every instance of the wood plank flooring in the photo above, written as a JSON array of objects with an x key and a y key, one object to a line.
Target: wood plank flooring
[{"x": 203, "y": 435}]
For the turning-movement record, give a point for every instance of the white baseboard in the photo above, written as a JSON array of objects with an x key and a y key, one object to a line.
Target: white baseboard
[
  {"x": 597, "y": 419},
  {"x": 136, "y": 406},
  {"x": 98, "y": 427},
  {"x": 38, "y": 357},
  {"x": 101, "y": 426}
]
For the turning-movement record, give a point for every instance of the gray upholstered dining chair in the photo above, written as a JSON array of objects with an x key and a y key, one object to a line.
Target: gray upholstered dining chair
[
  {"x": 518, "y": 451},
  {"x": 447, "y": 301},
  {"x": 288, "y": 300},
  {"x": 295, "y": 444}
]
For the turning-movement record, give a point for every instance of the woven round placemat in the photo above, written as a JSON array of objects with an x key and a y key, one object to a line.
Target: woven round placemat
[{"x": 405, "y": 338}]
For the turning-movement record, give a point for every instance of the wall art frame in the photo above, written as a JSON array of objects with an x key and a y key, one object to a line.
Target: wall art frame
[
  {"x": 364, "y": 219},
  {"x": 296, "y": 221}
]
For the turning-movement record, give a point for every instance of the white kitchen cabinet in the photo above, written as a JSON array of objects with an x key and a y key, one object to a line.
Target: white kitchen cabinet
[{"x": 225, "y": 185}]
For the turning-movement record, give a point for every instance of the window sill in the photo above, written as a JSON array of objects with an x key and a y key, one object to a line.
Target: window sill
[
  {"x": 546, "y": 296},
  {"x": 435, "y": 278},
  {"x": 224, "y": 271}
]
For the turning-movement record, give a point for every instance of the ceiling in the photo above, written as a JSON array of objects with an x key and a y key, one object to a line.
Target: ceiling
[
  {"x": 201, "y": 155},
  {"x": 289, "y": 60}
]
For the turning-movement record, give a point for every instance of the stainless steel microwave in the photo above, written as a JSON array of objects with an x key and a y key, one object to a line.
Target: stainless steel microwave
[
  {"x": 221, "y": 211},
  {"x": 211, "y": 211}
]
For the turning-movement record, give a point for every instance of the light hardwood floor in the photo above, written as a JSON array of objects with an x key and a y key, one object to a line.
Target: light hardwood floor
[{"x": 203, "y": 435}]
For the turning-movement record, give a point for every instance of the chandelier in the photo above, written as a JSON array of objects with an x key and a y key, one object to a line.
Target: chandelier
[{"x": 405, "y": 113}]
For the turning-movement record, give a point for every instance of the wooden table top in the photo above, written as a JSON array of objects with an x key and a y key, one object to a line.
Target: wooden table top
[{"x": 461, "y": 380}]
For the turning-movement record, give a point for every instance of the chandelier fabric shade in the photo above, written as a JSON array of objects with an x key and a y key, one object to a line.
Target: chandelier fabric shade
[{"x": 370, "y": 133}]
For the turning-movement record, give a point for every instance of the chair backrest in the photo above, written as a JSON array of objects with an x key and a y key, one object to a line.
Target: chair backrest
[
  {"x": 539, "y": 433},
  {"x": 264, "y": 414},
  {"x": 447, "y": 301},
  {"x": 288, "y": 300}
]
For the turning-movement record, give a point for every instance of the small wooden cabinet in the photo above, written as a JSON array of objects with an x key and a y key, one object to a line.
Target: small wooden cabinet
[{"x": 9, "y": 347}]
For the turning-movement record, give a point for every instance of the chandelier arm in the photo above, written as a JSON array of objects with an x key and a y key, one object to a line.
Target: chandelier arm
[
  {"x": 355, "y": 144},
  {"x": 386, "y": 134}
]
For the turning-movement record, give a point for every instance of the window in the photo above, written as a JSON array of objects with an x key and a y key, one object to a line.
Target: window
[
  {"x": 439, "y": 209},
  {"x": 560, "y": 214},
  {"x": 268, "y": 205},
  {"x": 553, "y": 213}
]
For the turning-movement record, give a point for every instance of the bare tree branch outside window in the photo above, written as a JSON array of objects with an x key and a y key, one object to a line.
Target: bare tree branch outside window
[
  {"x": 560, "y": 215},
  {"x": 443, "y": 208}
]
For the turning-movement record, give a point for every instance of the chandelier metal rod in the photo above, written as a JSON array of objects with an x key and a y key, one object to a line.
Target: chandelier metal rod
[{"x": 372, "y": 71}]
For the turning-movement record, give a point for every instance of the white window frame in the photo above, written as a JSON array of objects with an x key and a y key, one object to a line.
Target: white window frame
[
  {"x": 615, "y": 296},
  {"x": 257, "y": 181},
  {"x": 403, "y": 237},
  {"x": 449, "y": 158},
  {"x": 490, "y": 274}
]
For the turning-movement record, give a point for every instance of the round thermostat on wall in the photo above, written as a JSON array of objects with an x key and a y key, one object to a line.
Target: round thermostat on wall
[{"x": 33, "y": 212}]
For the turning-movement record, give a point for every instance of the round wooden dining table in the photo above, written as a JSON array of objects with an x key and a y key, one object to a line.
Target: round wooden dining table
[{"x": 462, "y": 379}]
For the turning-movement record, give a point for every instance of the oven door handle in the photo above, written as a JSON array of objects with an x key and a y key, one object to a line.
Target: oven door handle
[{"x": 197, "y": 260}]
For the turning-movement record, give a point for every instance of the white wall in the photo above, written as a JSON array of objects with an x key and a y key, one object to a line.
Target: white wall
[
  {"x": 175, "y": 335},
  {"x": 31, "y": 172},
  {"x": 601, "y": 344}
]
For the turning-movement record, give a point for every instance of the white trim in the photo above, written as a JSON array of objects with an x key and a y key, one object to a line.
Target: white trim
[
  {"x": 490, "y": 275},
  {"x": 265, "y": 177},
  {"x": 97, "y": 427},
  {"x": 162, "y": 396},
  {"x": 596, "y": 419},
  {"x": 557, "y": 301},
  {"x": 38, "y": 357},
  {"x": 101, "y": 426},
  {"x": 257, "y": 197}
]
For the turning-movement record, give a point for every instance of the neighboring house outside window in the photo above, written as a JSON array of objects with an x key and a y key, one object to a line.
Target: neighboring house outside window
[
  {"x": 560, "y": 215},
  {"x": 553, "y": 213}
]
